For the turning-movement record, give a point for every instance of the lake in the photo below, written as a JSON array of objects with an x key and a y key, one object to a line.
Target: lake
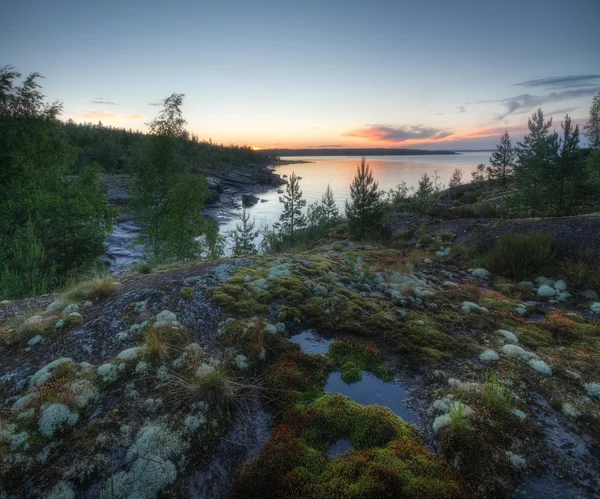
[{"x": 338, "y": 171}]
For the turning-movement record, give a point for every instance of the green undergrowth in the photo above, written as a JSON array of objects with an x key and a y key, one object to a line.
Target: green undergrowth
[{"x": 388, "y": 460}]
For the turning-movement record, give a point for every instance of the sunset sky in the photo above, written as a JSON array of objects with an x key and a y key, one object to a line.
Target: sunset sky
[{"x": 433, "y": 74}]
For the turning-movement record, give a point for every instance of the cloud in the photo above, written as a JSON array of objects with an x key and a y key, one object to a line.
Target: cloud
[
  {"x": 157, "y": 102},
  {"x": 103, "y": 101},
  {"x": 563, "y": 82},
  {"x": 462, "y": 109},
  {"x": 559, "y": 88},
  {"x": 398, "y": 134},
  {"x": 99, "y": 114},
  {"x": 326, "y": 145},
  {"x": 526, "y": 102}
]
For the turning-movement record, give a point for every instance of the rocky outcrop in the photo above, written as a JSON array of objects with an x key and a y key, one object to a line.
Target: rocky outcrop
[
  {"x": 249, "y": 200},
  {"x": 572, "y": 237}
]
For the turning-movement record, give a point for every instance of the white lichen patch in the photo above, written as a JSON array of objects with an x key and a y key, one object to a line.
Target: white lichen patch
[
  {"x": 593, "y": 389},
  {"x": 489, "y": 356},
  {"x": 108, "y": 372},
  {"x": 54, "y": 417},
  {"x": 517, "y": 461},
  {"x": 130, "y": 354},
  {"x": 480, "y": 273},
  {"x": 468, "y": 307},
  {"x": 545, "y": 291},
  {"x": 45, "y": 373},
  {"x": 508, "y": 335}
]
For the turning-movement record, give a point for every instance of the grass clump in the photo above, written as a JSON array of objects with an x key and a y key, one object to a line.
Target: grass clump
[
  {"x": 519, "y": 256},
  {"x": 161, "y": 341},
  {"x": 97, "y": 288}
]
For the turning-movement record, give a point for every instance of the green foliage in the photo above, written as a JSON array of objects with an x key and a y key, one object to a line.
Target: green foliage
[
  {"x": 502, "y": 160},
  {"x": 429, "y": 187},
  {"x": 323, "y": 215},
  {"x": 243, "y": 236},
  {"x": 519, "y": 256},
  {"x": 456, "y": 178},
  {"x": 291, "y": 219},
  {"x": 69, "y": 216},
  {"x": 496, "y": 396},
  {"x": 365, "y": 211},
  {"x": 458, "y": 419},
  {"x": 592, "y": 127},
  {"x": 168, "y": 200},
  {"x": 187, "y": 293},
  {"x": 479, "y": 175},
  {"x": 537, "y": 155}
]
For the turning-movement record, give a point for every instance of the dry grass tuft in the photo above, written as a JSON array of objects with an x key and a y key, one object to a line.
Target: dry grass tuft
[{"x": 99, "y": 288}]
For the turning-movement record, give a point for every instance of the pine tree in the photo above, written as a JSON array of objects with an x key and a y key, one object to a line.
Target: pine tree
[
  {"x": 592, "y": 127},
  {"x": 243, "y": 236},
  {"x": 456, "y": 178},
  {"x": 502, "y": 160},
  {"x": 167, "y": 198},
  {"x": 331, "y": 212},
  {"x": 569, "y": 176},
  {"x": 537, "y": 158},
  {"x": 365, "y": 211},
  {"x": 292, "y": 219}
]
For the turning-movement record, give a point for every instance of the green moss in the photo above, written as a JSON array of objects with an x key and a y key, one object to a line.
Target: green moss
[
  {"x": 389, "y": 461},
  {"x": 187, "y": 293},
  {"x": 352, "y": 358}
]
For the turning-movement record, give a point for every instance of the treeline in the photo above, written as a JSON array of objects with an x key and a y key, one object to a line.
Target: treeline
[
  {"x": 351, "y": 152},
  {"x": 54, "y": 212},
  {"x": 112, "y": 147}
]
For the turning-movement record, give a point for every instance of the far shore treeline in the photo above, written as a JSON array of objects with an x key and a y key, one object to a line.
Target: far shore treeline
[{"x": 351, "y": 152}]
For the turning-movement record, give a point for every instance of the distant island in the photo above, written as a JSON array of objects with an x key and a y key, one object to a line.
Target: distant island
[{"x": 351, "y": 152}]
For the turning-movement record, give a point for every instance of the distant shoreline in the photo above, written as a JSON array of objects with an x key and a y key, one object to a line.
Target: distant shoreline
[{"x": 354, "y": 152}]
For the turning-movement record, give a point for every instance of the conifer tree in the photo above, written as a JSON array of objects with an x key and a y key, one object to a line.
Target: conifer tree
[
  {"x": 331, "y": 212},
  {"x": 502, "y": 160},
  {"x": 569, "y": 176},
  {"x": 243, "y": 236},
  {"x": 291, "y": 219},
  {"x": 167, "y": 198},
  {"x": 537, "y": 155},
  {"x": 365, "y": 211},
  {"x": 592, "y": 127},
  {"x": 478, "y": 174}
]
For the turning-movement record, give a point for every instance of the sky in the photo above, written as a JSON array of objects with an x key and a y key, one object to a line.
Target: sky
[{"x": 432, "y": 74}]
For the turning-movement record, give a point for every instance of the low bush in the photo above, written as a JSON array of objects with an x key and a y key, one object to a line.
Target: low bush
[{"x": 519, "y": 256}]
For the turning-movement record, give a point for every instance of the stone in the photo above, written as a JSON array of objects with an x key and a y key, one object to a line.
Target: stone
[{"x": 249, "y": 200}]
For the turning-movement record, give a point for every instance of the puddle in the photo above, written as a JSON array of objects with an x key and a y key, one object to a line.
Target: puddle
[
  {"x": 371, "y": 390},
  {"x": 310, "y": 342},
  {"x": 340, "y": 447}
]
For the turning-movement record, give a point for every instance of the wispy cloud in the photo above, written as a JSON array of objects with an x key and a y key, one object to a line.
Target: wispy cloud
[
  {"x": 100, "y": 114},
  {"x": 157, "y": 102},
  {"x": 103, "y": 101},
  {"x": 563, "y": 82},
  {"x": 399, "y": 134},
  {"x": 557, "y": 88},
  {"x": 462, "y": 109},
  {"x": 325, "y": 146}
]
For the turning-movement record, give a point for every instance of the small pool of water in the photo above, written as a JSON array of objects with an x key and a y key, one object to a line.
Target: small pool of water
[
  {"x": 371, "y": 390},
  {"x": 310, "y": 342},
  {"x": 340, "y": 447}
]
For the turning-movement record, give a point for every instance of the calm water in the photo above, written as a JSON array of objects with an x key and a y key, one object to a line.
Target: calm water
[
  {"x": 338, "y": 171},
  {"x": 373, "y": 391}
]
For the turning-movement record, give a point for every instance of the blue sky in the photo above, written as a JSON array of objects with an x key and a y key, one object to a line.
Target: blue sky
[{"x": 435, "y": 74}]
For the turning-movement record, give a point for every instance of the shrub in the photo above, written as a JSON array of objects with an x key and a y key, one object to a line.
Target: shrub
[
  {"x": 143, "y": 268},
  {"x": 519, "y": 256}
]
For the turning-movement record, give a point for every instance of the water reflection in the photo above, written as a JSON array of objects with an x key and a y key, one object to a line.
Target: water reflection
[{"x": 371, "y": 390}]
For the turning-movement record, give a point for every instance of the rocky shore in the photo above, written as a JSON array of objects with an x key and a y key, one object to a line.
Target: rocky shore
[{"x": 229, "y": 190}]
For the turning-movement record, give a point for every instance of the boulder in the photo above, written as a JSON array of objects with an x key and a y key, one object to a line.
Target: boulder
[{"x": 249, "y": 200}]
